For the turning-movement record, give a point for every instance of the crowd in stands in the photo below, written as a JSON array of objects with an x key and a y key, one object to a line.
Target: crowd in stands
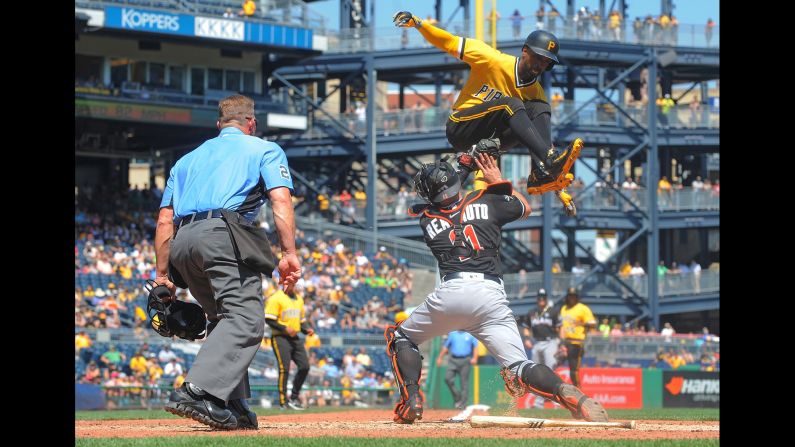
[{"x": 346, "y": 292}]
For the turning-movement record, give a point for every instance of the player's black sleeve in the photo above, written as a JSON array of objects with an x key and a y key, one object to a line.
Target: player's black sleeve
[
  {"x": 505, "y": 208},
  {"x": 276, "y": 325}
]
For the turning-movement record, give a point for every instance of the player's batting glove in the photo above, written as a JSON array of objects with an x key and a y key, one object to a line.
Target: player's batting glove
[{"x": 405, "y": 19}]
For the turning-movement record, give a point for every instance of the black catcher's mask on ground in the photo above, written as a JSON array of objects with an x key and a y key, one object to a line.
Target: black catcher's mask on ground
[
  {"x": 437, "y": 183},
  {"x": 185, "y": 320}
]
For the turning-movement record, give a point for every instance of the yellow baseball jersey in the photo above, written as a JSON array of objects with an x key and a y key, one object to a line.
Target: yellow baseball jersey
[
  {"x": 493, "y": 74},
  {"x": 285, "y": 310},
  {"x": 573, "y": 319}
]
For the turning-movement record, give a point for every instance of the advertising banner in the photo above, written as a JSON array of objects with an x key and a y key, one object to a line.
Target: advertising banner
[
  {"x": 91, "y": 108},
  {"x": 163, "y": 22},
  {"x": 688, "y": 389},
  {"x": 612, "y": 387}
]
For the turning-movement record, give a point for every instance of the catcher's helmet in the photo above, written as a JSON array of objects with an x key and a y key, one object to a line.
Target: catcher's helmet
[
  {"x": 545, "y": 44},
  {"x": 437, "y": 182}
]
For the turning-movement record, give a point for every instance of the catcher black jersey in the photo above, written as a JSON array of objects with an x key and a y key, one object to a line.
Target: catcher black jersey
[{"x": 481, "y": 213}]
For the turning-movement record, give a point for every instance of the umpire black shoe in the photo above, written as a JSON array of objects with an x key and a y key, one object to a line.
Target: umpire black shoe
[
  {"x": 246, "y": 419},
  {"x": 193, "y": 402}
]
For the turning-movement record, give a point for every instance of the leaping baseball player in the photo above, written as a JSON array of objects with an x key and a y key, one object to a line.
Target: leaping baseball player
[
  {"x": 463, "y": 232},
  {"x": 503, "y": 105}
]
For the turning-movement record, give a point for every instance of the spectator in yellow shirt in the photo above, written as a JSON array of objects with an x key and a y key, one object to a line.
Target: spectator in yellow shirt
[
  {"x": 82, "y": 340},
  {"x": 138, "y": 363},
  {"x": 179, "y": 380},
  {"x": 312, "y": 341},
  {"x": 249, "y": 7}
]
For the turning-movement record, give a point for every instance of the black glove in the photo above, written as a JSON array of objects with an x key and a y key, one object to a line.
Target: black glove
[
  {"x": 405, "y": 19},
  {"x": 174, "y": 318}
]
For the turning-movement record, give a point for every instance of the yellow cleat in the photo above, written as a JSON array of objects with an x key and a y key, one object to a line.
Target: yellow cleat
[{"x": 563, "y": 180}]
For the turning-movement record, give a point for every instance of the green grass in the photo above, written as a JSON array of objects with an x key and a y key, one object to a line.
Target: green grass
[
  {"x": 159, "y": 413},
  {"x": 258, "y": 441}
]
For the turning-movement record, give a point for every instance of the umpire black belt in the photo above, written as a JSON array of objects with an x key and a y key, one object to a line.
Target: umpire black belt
[
  {"x": 195, "y": 217},
  {"x": 472, "y": 275}
]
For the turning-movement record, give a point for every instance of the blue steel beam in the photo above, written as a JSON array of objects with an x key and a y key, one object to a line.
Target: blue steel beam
[
  {"x": 652, "y": 175},
  {"x": 436, "y": 141},
  {"x": 601, "y": 54},
  {"x": 585, "y": 220}
]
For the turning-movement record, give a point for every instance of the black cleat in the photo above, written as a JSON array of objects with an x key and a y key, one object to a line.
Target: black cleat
[
  {"x": 246, "y": 419},
  {"x": 192, "y": 402}
]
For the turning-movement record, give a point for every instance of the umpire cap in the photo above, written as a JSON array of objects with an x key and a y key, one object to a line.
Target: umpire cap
[
  {"x": 437, "y": 182},
  {"x": 545, "y": 44}
]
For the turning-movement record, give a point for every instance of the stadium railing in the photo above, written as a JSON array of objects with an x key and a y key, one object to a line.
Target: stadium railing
[
  {"x": 605, "y": 285},
  {"x": 390, "y": 38},
  {"x": 433, "y": 119},
  {"x": 163, "y": 95},
  {"x": 393, "y": 208}
]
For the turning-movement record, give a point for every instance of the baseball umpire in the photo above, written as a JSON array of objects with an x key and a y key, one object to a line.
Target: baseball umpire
[
  {"x": 463, "y": 232},
  {"x": 463, "y": 349},
  {"x": 205, "y": 242},
  {"x": 503, "y": 104},
  {"x": 284, "y": 313},
  {"x": 543, "y": 326}
]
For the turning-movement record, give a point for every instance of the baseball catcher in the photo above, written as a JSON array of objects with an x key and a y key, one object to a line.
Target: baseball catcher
[
  {"x": 463, "y": 232},
  {"x": 503, "y": 104}
]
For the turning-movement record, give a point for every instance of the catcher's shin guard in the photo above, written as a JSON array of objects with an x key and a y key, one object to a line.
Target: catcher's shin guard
[{"x": 407, "y": 367}]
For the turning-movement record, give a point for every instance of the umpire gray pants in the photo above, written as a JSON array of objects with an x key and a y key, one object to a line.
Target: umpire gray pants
[
  {"x": 461, "y": 367},
  {"x": 228, "y": 292}
]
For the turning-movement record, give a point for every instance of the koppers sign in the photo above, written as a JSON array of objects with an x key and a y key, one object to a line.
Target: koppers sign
[{"x": 691, "y": 389}]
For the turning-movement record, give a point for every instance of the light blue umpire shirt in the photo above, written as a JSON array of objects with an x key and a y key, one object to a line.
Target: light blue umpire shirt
[
  {"x": 461, "y": 344},
  {"x": 233, "y": 171}
]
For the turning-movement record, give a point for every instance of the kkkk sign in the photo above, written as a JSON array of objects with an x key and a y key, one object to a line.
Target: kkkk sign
[{"x": 691, "y": 389}]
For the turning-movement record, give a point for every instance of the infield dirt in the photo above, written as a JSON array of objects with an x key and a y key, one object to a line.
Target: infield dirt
[{"x": 378, "y": 424}]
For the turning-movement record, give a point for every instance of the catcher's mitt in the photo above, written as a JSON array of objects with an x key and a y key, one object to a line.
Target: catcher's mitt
[{"x": 174, "y": 318}]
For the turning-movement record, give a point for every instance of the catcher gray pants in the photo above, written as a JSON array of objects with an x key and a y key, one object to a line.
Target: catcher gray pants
[
  {"x": 228, "y": 292},
  {"x": 458, "y": 366},
  {"x": 477, "y": 306},
  {"x": 544, "y": 353}
]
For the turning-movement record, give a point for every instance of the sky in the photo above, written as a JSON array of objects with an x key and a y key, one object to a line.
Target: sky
[{"x": 694, "y": 12}]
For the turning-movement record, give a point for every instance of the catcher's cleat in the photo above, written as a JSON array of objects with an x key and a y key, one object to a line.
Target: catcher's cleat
[
  {"x": 246, "y": 419},
  {"x": 410, "y": 410},
  {"x": 192, "y": 402},
  {"x": 541, "y": 181},
  {"x": 580, "y": 405}
]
